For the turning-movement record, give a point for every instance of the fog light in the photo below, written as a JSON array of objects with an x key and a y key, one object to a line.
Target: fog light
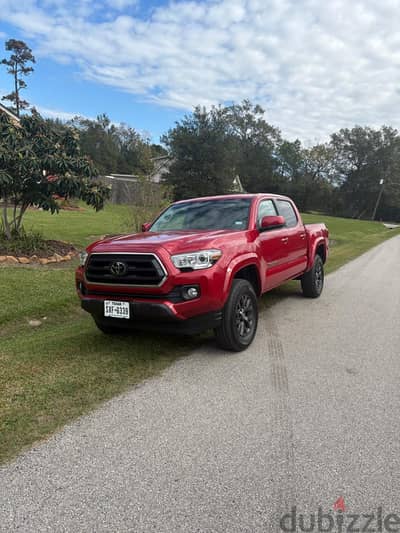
[
  {"x": 193, "y": 292},
  {"x": 189, "y": 293}
]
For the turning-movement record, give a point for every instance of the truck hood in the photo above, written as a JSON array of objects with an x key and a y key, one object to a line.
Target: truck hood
[{"x": 172, "y": 241}]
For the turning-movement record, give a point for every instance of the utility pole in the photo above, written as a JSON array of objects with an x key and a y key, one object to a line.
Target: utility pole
[{"x": 381, "y": 183}]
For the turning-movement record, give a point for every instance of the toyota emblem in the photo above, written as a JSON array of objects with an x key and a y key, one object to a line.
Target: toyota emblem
[{"x": 118, "y": 268}]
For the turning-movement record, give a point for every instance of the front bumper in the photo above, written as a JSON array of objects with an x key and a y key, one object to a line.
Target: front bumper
[
  {"x": 153, "y": 316},
  {"x": 161, "y": 308}
]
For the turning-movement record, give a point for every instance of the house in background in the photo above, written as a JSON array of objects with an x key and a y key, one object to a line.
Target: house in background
[
  {"x": 134, "y": 190},
  {"x": 131, "y": 189},
  {"x": 162, "y": 165},
  {"x": 237, "y": 185},
  {"x": 10, "y": 114}
]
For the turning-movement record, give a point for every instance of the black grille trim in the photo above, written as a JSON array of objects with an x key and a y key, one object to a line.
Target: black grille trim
[
  {"x": 143, "y": 269},
  {"x": 174, "y": 296}
]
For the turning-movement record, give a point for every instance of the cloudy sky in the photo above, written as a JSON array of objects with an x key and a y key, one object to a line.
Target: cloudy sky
[{"x": 314, "y": 65}]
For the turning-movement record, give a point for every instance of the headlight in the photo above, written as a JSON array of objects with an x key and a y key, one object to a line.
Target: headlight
[
  {"x": 196, "y": 260},
  {"x": 82, "y": 258}
]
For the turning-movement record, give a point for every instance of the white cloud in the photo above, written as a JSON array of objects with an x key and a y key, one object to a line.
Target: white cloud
[
  {"x": 50, "y": 113},
  {"x": 316, "y": 66},
  {"x": 120, "y": 5},
  {"x": 56, "y": 113}
]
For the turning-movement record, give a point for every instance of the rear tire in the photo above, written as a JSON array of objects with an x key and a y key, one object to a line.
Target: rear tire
[
  {"x": 239, "y": 318},
  {"x": 312, "y": 282}
]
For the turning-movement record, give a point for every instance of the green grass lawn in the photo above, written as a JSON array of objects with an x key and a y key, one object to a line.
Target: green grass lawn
[
  {"x": 79, "y": 227},
  {"x": 51, "y": 374},
  {"x": 350, "y": 238}
]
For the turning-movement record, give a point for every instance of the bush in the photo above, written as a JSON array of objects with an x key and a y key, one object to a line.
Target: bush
[
  {"x": 150, "y": 206},
  {"x": 23, "y": 243}
]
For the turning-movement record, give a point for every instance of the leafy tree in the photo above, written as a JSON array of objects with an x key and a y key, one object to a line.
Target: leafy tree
[
  {"x": 342, "y": 177},
  {"x": 290, "y": 168},
  {"x": 113, "y": 148},
  {"x": 209, "y": 148},
  {"x": 18, "y": 67},
  {"x": 306, "y": 173},
  {"x": 97, "y": 139},
  {"x": 38, "y": 162},
  {"x": 363, "y": 157},
  {"x": 158, "y": 151},
  {"x": 202, "y": 154},
  {"x": 291, "y": 160},
  {"x": 315, "y": 188},
  {"x": 135, "y": 153},
  {"x": 255, "y": 146}
]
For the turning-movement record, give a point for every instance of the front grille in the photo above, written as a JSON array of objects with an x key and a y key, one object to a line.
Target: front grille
[{"x": 125, "y": 269}]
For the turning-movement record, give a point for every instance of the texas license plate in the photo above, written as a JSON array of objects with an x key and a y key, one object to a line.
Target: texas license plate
[{"x": 116, "y": 309}]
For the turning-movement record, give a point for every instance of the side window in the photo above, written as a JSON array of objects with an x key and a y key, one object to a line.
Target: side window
[
  {"x": 286, "y": 210},
  {"x": 265, "y": 209}
]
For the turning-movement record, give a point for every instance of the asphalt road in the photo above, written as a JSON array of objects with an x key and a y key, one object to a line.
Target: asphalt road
[{"x": 230, "y": 442}]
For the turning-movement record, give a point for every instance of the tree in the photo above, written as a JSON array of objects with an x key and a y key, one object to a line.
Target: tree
[
  {"x": 113, "y": 148},
  {"x": 363, "y": 157},
  {"x": 158, "y": 151},
  {"x": 17, "y": 63},
  {"x": 317, "y": 182},
  {"x": 256, "y": 143},
  {"x": 39, "y": 162},
  {"x": 202, "y": 153},
  {"x": 135, "y": 153},
  {"x": 210, "y": 147},
  {"x": 98, "y": 140},
  {"x": 290, "y": 167}
]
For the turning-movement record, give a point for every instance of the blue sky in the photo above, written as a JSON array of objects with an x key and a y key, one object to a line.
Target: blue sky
[
  {"x": 314, "y": 66},
  {"x": 60, "y": 89}
]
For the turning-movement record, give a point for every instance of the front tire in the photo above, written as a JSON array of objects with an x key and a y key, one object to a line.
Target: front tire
[
  {"x": 239, "y": 318},
  {"x": 312, "y": 282}
]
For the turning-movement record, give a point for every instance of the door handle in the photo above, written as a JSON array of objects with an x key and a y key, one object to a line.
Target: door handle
[
  {"x": 285, "y": 240},
  {"x": 303, "y": 235}
]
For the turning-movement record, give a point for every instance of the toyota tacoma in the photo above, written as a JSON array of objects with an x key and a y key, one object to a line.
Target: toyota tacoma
[{"x": 202, "y": 264}]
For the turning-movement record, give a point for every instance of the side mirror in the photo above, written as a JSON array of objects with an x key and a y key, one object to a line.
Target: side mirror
[
  {"x": 272, "y": 222},
  {"x": 146, "y": 226}
]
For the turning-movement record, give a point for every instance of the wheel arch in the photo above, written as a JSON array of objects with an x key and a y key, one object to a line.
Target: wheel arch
[
  {"x": 251, "y": 274},
  {"x": 318, "y": 248},
  {"x": 248, "y": 269},
  {"x": 321, "y": 251}
]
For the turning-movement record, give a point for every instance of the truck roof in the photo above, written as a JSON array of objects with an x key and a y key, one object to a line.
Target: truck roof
[{"x": 233, "y": 196}]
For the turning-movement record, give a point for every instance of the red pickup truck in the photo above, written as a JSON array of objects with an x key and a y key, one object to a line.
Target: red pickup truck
[{"x": 202, "y": 264}]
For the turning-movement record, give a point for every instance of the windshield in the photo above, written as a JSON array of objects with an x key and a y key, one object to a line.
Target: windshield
[{"x": 231, "y": 214}]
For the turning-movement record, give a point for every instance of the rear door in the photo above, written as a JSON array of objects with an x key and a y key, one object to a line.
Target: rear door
[
  {"x": 297, "y": 246},
  {"x": 272, "y": 248}
]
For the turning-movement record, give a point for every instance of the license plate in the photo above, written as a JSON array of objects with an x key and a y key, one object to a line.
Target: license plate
[{"x": 116, "y": 309}]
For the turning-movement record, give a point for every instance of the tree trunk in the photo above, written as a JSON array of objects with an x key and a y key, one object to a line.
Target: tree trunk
[
  {"x": 6, "y": 224},
  {"x": 16, "y": 88},
  {"x": 18, "y": 221},
  {"x": 12, "y": 223},
  {"x": 14, "y": 217}
]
